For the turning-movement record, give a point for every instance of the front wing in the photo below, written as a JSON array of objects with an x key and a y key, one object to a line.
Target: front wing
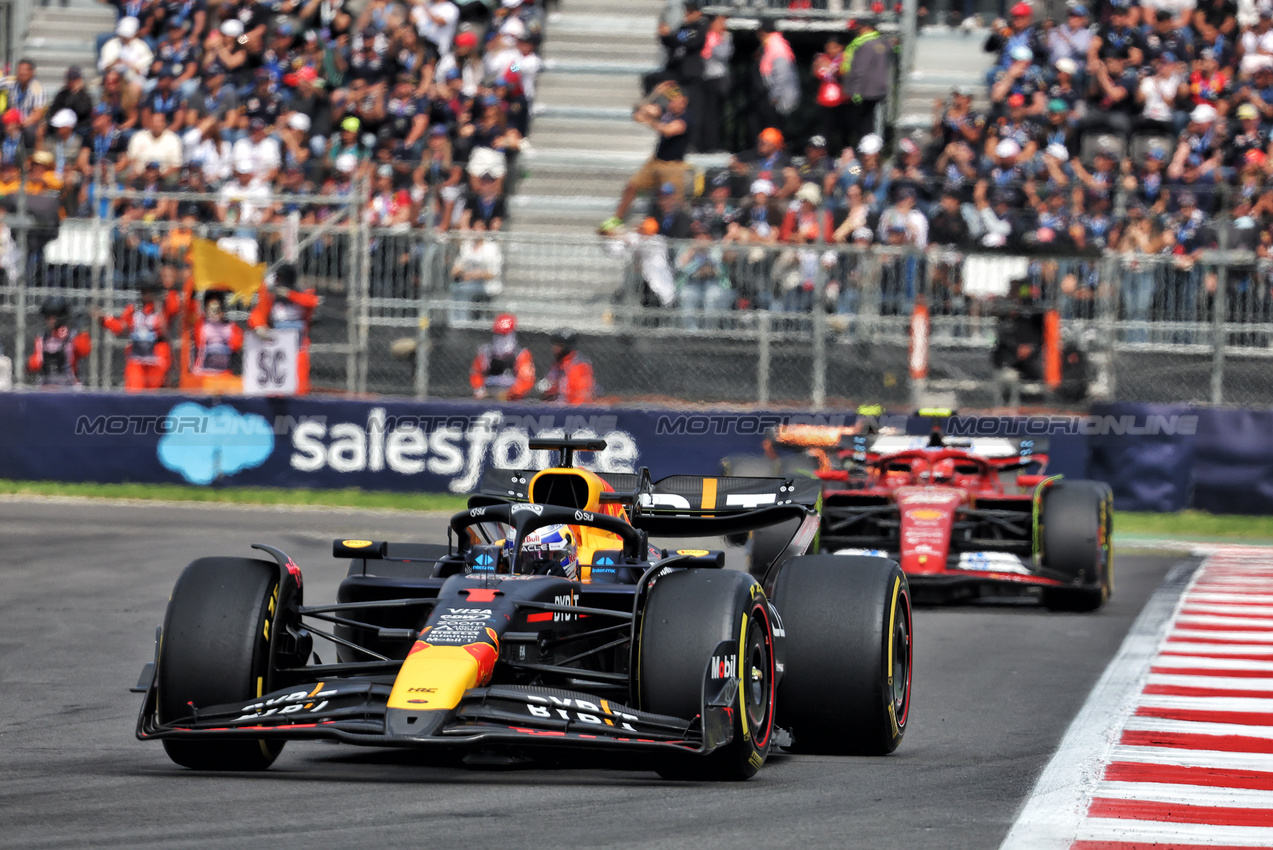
[{"x": 355, "y": 711}]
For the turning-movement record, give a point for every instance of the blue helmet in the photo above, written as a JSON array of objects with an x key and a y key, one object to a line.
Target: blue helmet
[{"x": 549, "y": 549}]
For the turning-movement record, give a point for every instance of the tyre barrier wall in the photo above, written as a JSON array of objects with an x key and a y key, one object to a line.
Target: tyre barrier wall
[{"x": 1156, "y": 457}]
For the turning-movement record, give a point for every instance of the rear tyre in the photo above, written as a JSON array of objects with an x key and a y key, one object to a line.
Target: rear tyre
[
  {"x": 688, "y": 614},
  {"x": 1078, "y": 520},
  {"x": 847, "y": 683},
  {"x": 215, "y": 649}
]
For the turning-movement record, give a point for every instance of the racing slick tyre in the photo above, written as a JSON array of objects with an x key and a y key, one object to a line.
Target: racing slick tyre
[
  {"x": 688, "y": 615},
  {"x": 215, "y": 649},
  {"x": 847, "y": 683},
  {"x": 1078, "y": 519}
]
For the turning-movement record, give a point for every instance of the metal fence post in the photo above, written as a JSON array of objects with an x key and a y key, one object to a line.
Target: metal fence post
[
  {"x": 24, "y": 280},
  {"x": 358, "y": 291},
  {"x": 1221, "y": 306},
  {"x": 762, "y": 365},
  {"x": 819, "y": 341}
]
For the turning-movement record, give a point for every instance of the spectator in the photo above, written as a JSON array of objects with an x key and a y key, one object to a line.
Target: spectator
[
  {"x": 503, "y": 369},
  {"x": 834, "y": 107},
  {"x": 156, "y": 144},
  {"x": 857, "y": 215},
  {"x": 702, "y": 279},
  {"x": 179, "y": 55},
  {"x": 1118, "y": 39},
  {"x": 1071, "y": 39},
  {"x": 806, "y": 218},
  {"x": 718, "y": 49},
  {"x": 467, "y": 60},
  {"x": 484, "y": 205},
  {"x": 664, "y": 111},
  {"x": 767, "y": 161},
  {"x": 260, "y": 150},
  {"x": 121, "y": 98},
  {"x": 1019, "y": 32},
  {"x": 25, "y": 93},
  {"x": 815, "y": 166},
  {"x": 669, "y": 211},
  {"x": 1021, "y": 79},
  {"x": 127, "y": 53},
  {"x": 164, "y": 98},
  {"x": 1112, "y": 99},
  {"x": 436, "y": 21},
  {"x": 477, "y": 274},
  {"x": 903, "y": 216},
  {"x": 106, "y": 144},
  {"x": 58, "y": 350},
  {"x": 570, "y": 378},
  {"x": 648, "y": 252},
  {"x": 719, "y": 214},
  {"x": 866, "y": 171},
  {"x": 206, "y": 149},
  {"x": 1140, "y": 236},
  {"x": 72, "y": 96},
  {"x": 683, "y": 49},
  {"x": 217, "y": 99},
  {"x": 779, "y": 78},
  {"x": 948, "y": 226},
  {"x": 868, "y": 71},
  {"x": 70, "y": 156},
  {"x": 1158, "y": 95}
]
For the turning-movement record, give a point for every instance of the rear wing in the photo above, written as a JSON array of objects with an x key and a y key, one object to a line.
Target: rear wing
[{"x": 676, "y": 494}]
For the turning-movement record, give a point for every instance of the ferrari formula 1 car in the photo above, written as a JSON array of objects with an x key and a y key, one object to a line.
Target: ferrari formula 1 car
[
  {"x": 964, "y": 517},
  {"x": 548, "y": 620}
]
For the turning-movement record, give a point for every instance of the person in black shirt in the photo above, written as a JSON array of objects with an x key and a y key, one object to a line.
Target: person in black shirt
[
  {"x": 665, "y": 112},
  {"x": 485, "y": 204},
  {"x": 684, "y": 48},
  {"x": 165, "y": 99},
  {"x": 1117, "y": 39},
  {"x": 674, "y": 221},
  {"x": 72, "y": 96}
]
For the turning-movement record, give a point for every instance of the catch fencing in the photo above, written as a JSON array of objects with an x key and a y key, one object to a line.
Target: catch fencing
[{"x": 753, "y": 323}]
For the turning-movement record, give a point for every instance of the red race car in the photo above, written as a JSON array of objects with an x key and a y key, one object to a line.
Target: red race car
[{"x": 964, "y": 517}]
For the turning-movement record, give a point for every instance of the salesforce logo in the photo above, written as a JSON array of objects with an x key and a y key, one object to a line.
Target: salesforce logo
[{"x": 214, "y": 442}]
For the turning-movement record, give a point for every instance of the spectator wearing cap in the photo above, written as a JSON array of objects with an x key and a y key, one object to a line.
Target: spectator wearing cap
[
  {"x": 1058, "y": 128},
  {"x": 1201, "y": 135},
  {"x": 158, "y": 144},
  {"x": 1195, "y": 175},
  {"x": 216, "y": 98},
  {"x": 1245, "y": 137},
  {"x": 1186, "y": 227},
  {"x": 70, "y": 155},
  {"x": 309, "y": 96},
  {"x": 948, "y": 226},
  {"x": 368, "y": 61},
  {"x": 683, "y": 56},
  {"x": 702, "y": 278},
  {"x": 718, "y": 213},
  {"x": 1165, "y": 35},
  {"x": 295, "y": 148},
  {"x": 485, "y": 204},
  {"x": 165, "y": 98},
  {"x": 1065, "y": 85},
  {"x": 1018, "y": 31},
  {"x": 1021, "y": 78},
  {"x": 669, "y": 211},
  {"x": 956, "y": 120},
  {"x": 868, "y": 71},
  {"x": 857, "y": 215},
  {"x": 387, "y": 205},
  {"x": 816, "y": 165},
  {"x": 467, "y": 59},
  {"x": 13, "y": 145},
  {"x": 226, "y": 50},
  {"x": 1017, "y": 125},
  {"x": 127, "y": 53},
  {"x": 665, "y": 111},
  {"x": 1117, "y": 39},
  {"x": 106, "y": 144},
  {"x": 179, "y": 54},
  {"x": 74, "y": 97},
  {"x": 866, "y": 171},
  {"x": 436, "y": 21},
  {"x": 718, "y": 49},
  {"x": 260, "y": 150},
  {"x": 908, "y": 170},
  {"x": 1071, "y": 39},
  {"x": 1208, "y": 82},
  {"x": 1001, "y": 224},
  {"x": 1147, "y": 180},
  {"x": 905, "y": 214},
  {"x": 806, "y": 216},
  {"x": 1158, "y": 96},
  {"x": 779, "y": 94},
  {"x": 347, "y": 141},
  {"x": 766, "y": 161},
  {"x": 1111, "y": 102},
  {"x": 263, "y": 101},
  {"x": 254, "y": 19}
]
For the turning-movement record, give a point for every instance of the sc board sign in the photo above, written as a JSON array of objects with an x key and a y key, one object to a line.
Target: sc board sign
[{"x": 269, "y": 365}]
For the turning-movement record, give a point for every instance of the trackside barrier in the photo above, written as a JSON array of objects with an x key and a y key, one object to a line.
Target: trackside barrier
[{"x": 1156, "y": 457}]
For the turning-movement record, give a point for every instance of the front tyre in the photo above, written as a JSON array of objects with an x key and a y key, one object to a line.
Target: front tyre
[
  {"x": 1077, "y": 534},
  {"x": 847, "y": 684},
  {"x": 215, "y": 649},
  {"x": 688, "y": 615}
]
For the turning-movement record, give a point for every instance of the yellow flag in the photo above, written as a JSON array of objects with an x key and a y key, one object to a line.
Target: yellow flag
[{"x": 215, "y": 268}]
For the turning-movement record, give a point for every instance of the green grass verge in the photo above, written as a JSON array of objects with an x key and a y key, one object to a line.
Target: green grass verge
[
  {"x": 1186, "y": 525},
  {"x": 349, "y": 498},
  {"x": 1195, "y": 525}
]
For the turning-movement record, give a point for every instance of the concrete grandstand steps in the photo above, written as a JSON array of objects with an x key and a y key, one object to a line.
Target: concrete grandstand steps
[
  {"x": 60, "y": 36},
  {"x": 588, "y": 89},
  {"x": 598, "y": 66},
  {"x": 597, "y": 135}
]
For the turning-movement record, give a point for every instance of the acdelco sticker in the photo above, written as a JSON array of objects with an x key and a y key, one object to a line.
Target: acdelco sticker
[{"x": 694, "y": 553}]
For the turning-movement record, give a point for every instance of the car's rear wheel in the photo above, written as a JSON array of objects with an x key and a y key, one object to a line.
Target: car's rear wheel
[
  {"x": 1078, "y": 520},
  {"x": 848, "y": 650},
  {"x": 215, "y": 649},
  {"x": 687, "y": 617}
]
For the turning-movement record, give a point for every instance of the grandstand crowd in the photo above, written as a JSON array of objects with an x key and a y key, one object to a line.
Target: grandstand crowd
[{"x": 247, "y": 99}]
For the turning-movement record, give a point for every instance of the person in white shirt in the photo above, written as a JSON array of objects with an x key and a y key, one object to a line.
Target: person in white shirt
[
  {"x": 126, "y": 51},
  {"x": 205, "y": 147},
  {"x": 156, "y": 144},
  {"x": 477, "y": 274},
  {"x": 436, "y": 21},
  {"x": 260, "y": 149},
  {"x": 528, "y": 67},
  {"x": 1256, "y": 44},
  {"x": 904, "y": 214},
  {"x": 1157, "y": 96},
  {"x": 467, "y": 60}
]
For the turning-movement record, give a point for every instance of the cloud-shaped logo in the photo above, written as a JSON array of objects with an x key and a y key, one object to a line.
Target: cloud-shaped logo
[{"x": 204, "y": 444}]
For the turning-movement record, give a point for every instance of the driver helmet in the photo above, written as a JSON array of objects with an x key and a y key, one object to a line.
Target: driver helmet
[
  {"x": 944, "y": 470},
  {"x": 547, "y": 550}
]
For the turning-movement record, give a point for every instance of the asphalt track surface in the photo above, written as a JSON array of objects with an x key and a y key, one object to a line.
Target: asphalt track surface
[{"x": 86, "y": 583}]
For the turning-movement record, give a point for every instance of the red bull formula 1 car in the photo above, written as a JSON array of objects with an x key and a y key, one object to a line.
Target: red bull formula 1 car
[
  {"x": 964, "y": 517},
  {"x": 548, "y": 620}
]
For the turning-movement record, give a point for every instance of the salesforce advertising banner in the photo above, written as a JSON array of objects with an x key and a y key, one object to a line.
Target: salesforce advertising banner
[{"x": 376, "y": 445}]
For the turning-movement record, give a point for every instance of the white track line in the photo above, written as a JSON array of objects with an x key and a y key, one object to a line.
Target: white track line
[
  {"x": 1186, "y": 795},
  {"x": 1052, "y": 815},
  {"x": 1170, "y": 834},
  {"x": 1173, "y": 648},
  {"x": 1233, "y": 683},
  {"x": 1236, "y": 705},
  {"x": 1219, "y": 759},
  {"x": 1195, "y": 727}
]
